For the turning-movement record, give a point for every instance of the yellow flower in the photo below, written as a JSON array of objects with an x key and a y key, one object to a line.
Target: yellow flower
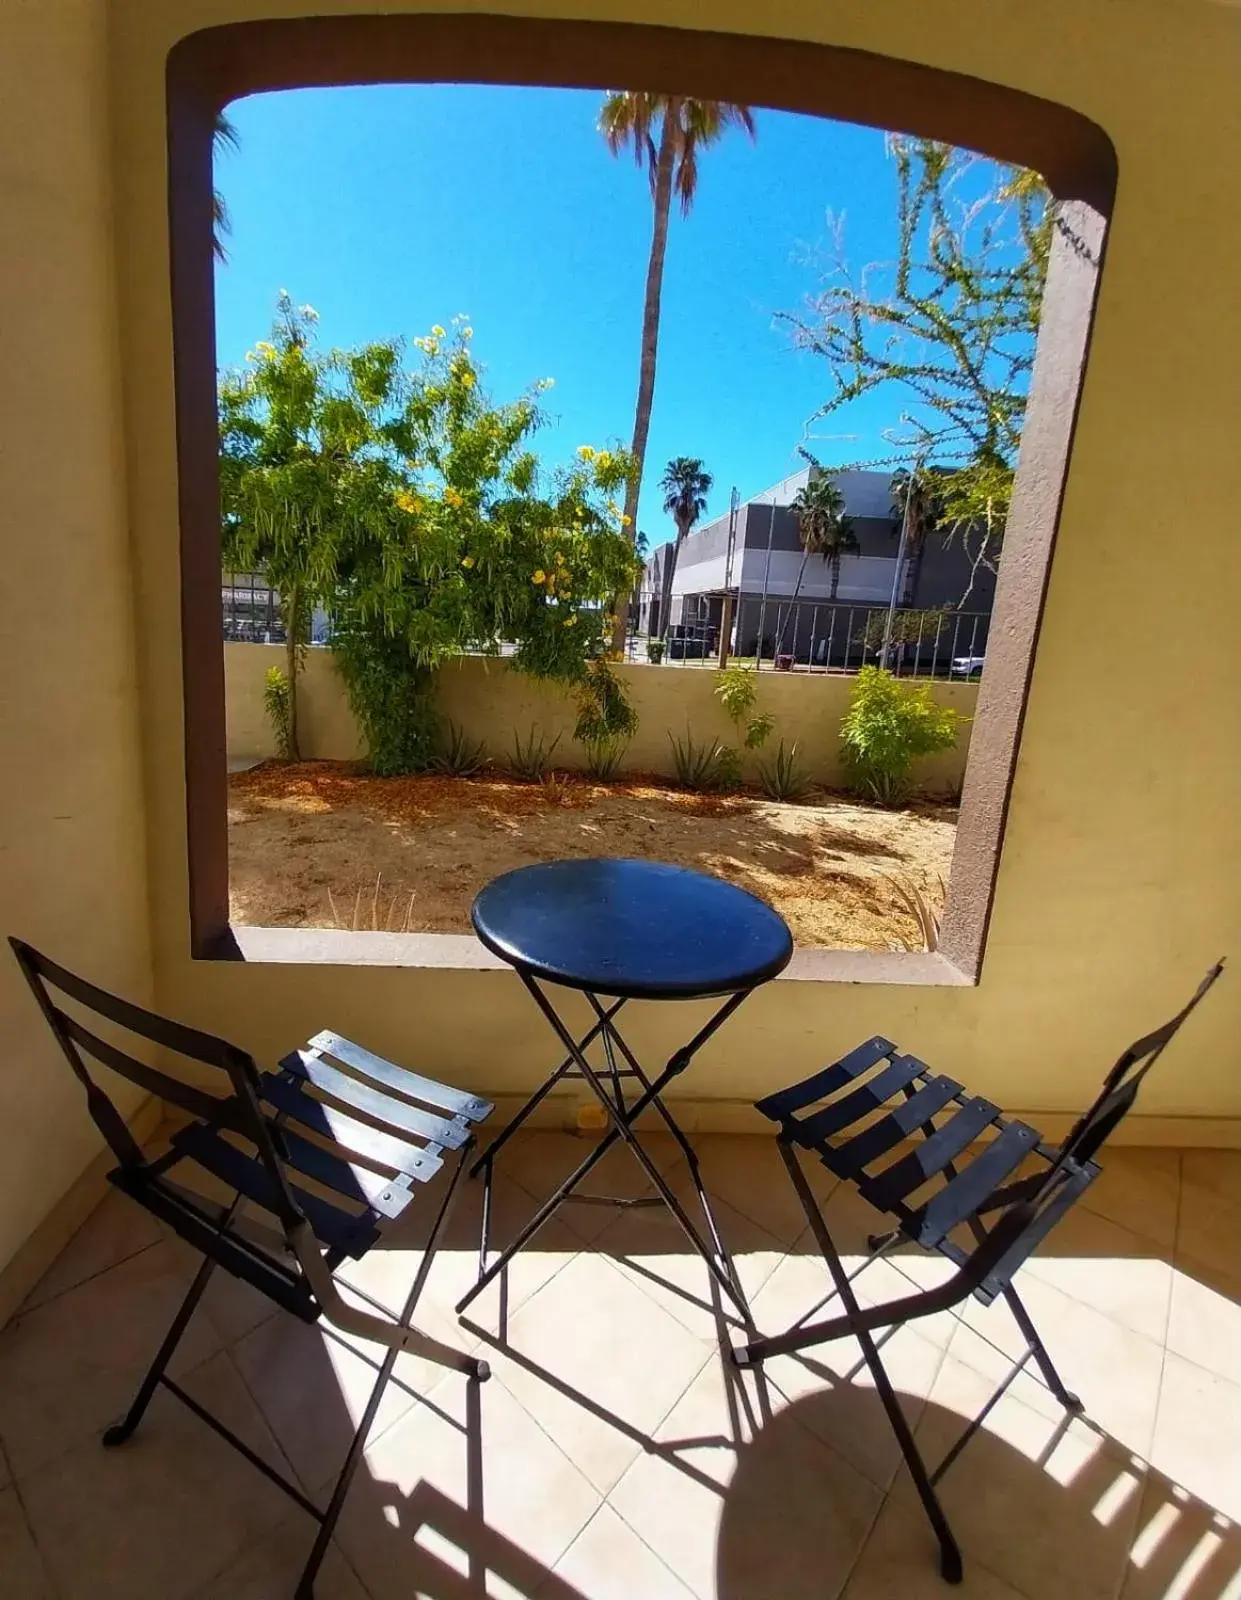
[
  {"x": 539, "y": 577},
  {"x": 570, "y": 622},
  {"x": 586, "y": 453},
  {"x": 453, "y": 497},
  {"x": 467, "y": 561},
  {"x": 625, "y": 521},
  {"x": 408, "y": 502},
  {"x": 467, "y": 380},
  {"x": 438, "y": 332},
  {"x": 467, "y": 333}
]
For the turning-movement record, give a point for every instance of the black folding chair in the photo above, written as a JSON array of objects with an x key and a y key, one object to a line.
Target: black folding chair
[
  {"x": 858, "y": 1112},
  {"x": 334, "y": 1119}
]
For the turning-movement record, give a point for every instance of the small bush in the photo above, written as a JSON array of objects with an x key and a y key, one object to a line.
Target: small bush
[
  {"x": 888, "y": 726},
  {"x": 277, "y": 697},
  {"x": 782, "y": 778},
  {"x": 736, "y": 692},
  {"x": 532, "y": 757},
  {"x": 459, "y": 756},
  {"x": 655, "y": 651},
  {"x": 603, "y": 756},
  {"x": 708, "y": 767}
]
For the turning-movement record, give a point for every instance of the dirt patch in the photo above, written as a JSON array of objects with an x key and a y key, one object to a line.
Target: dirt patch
[{"x": 320, "y": 845}]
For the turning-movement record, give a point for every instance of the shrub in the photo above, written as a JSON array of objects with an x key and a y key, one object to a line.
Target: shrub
[
  {"x": 655, "y": 651},
  {"x": 888, "y": 726},
  {"x": 278, "y": 704},
  {"x": 532, "y": 757},
  {"x": 709, "y": 767},
  {"x": 459, "y": 756},
  {"x": 603, "y": 756},
  {"x": 782, "y": 778},
  {"x": 736, "y": 692}
]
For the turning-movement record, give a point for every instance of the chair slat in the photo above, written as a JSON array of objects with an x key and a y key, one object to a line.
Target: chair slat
[
  {"x": 886, "y": 1189},
  {"x": 850, "y": 1108},
  {"x": 374, "y": 1102},
  {"x": 332, "y": 1226},
  {"x": 455, "y": 1101},
  {"x": 388, "y": 1196},
  {"x": 904, "y": 1118},
  {"x": 779, "y": 1107},
  {"x": 211, "y": 1108},
  {"x": 358, "y": 1139},
  {"x": 963, "y": 1195}
]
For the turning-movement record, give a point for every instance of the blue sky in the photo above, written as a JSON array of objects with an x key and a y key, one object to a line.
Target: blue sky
[{"x": 390, "y": 209}]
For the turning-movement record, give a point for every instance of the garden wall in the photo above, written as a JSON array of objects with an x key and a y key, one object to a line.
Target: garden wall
[{"x": 492, "y": 702}]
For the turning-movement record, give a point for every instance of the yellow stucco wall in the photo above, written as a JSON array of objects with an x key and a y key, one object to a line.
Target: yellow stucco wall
[
  {"x": 493, "y": 703},
  {"x": 1119, "y": 880}
]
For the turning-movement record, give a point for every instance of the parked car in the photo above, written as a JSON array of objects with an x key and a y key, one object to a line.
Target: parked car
[{"x": 967, "y": 666}]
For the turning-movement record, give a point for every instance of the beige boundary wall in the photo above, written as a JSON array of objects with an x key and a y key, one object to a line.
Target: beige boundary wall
[{"x": 493, "y": 702}]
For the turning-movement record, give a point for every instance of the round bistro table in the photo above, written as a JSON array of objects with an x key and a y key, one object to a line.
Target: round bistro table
[{"x": 617, "y": 931}]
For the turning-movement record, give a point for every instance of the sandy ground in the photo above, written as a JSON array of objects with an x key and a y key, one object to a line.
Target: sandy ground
[{"x": 317, "y": 845}]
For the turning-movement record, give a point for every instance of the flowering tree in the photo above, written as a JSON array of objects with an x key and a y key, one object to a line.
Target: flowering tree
[{"x": 411, "y": 506}]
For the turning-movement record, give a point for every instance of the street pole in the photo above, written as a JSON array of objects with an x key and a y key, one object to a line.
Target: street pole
[
  {"x": 726, "y": 610},
  {"x": 762, "y": 610},
  {"x": 900, "y": 562}
]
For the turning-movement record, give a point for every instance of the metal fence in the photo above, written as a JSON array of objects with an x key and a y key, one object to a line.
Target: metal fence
[{"x": 251, "y": 610}]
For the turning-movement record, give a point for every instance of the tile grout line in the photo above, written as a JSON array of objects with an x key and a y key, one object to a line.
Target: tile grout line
[{"x": 25, "y": 1310}]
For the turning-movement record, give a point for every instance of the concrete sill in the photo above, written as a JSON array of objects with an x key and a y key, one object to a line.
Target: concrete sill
[{"x": 462, "y": 952}]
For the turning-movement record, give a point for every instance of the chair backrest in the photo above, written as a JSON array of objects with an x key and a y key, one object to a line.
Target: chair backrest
[
  {"x": 1120, "y": 1088},
  {"x": 238, "y": 1109}
]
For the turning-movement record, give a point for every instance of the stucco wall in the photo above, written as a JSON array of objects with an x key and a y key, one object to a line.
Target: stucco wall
[
  {"x": 1117, "y": 883},
  {"x": 493, "y": 703}
]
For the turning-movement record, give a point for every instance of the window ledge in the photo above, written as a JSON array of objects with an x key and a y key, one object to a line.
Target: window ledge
[{"x": 337, "y": 947}]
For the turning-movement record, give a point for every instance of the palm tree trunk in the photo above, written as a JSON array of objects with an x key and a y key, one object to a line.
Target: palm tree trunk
[
  {"x": 292, "y": 636},
  {"x": 662, "y": 203},
  {"x": 835, "y": 565},
  {"x": 670, "y": 572},
  {"x": 801, "y": 573},
  {"x": 913, "y": 567}
]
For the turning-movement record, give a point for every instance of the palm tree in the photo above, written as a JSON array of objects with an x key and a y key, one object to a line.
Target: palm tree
[
  {"x": 924, "y": 515},
  {"x": 223, "y": 137},
  {"x": 824, "y": 530},
  {"x": 666, "y": 133},
  {"x": 685, "y": 486}
]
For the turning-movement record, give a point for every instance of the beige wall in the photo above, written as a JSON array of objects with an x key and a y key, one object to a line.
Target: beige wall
[
  {"x": 72, "y": 858},
  {"x": 492, "y": 702},
  {"x": 1118, "y": 882}
]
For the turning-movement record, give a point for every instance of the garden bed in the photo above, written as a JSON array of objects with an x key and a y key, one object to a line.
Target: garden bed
[{"x": 321, "y": 845}]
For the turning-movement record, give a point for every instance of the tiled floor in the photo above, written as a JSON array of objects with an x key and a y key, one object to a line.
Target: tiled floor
[{"x": 613, "y": 1455}]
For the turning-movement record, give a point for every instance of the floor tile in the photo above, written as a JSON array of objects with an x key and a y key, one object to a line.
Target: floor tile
[
  {"x": 1111, "y": 1268},
  {"x": 1114, "y": 1371},
  {"x": 900, "y": 1561},
  {"x": 542, "y": 1159},
  {"x": 1216, "y": 1170},
  {"x": 1198, "y": 1434},
  {"x": 1205, "y": 1321},
  {"x": 270, "y": 1569},
  {"x": 832, "y": 1379},
  {"x": 23, "y": 1575},
  {"x": 743, "y": 1506},
  {"x": 117, "y": 1229},
  {"x": 1048, "y": 1506},
  {"x": 746, "y": 1171},
  {"x": 650, "y": 1246},
  {"x": 599, "y": 1364},
  {"x": 158, "y": 1516},
  {"x": 312, "y": 1388},
  {"x": 1209, "y": 1225},
  {"x": 1183, "y": 1549},
  {"x": 607, "y": 1561},
  {"x": 1139, "y": 1189},
  {"x": 463, "y": 1499},
  {"x": 71, "y": 1366}
]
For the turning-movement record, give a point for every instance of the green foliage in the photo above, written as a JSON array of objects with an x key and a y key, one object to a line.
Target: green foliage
[
  {"x": 888, "y": 725},
  {"x": 907, "y": 627},
  {"x": 603, "y": 757},
  {"x": 655, "y": 651},
  {"x": 709, "y": 767},
  {"x": 604, "y": 712},
  {"x": 954, "y": 324},
  {"x": 276, "y": 698},
  {"x": 926, "y": 913},
  {"x": 736, "y": 691},
  {"x": 780, "y": 777},
  {"x": 383, "y": 484},
  {"x": 459, "y": 756},
  {"x": 532, "y": 756}
]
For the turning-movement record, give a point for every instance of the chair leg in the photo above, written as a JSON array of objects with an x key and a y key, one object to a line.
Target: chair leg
[
  {"x": 119, "y": 1432},
  {"x": 950, "y": 1564},
  {"x": 1038, "y": 1350}
]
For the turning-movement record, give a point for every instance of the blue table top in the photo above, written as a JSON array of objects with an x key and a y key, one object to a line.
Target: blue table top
[{"x": 639, "y": 929}]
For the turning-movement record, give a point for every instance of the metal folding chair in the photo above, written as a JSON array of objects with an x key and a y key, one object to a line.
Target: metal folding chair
[
  {"x": 335, "y": 1147},
  {"x": 983, "y": 1206}
]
